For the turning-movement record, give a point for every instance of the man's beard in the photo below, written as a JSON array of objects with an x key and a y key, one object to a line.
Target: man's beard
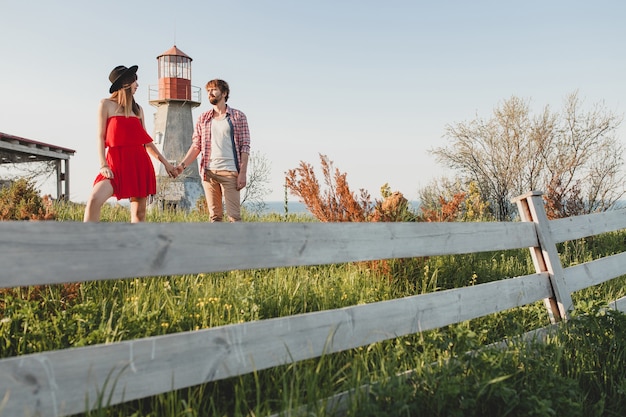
[{"x": 213, "y": 100}]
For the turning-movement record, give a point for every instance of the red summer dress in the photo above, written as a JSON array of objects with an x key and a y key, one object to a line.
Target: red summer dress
[{"x": 133, "y": 172}]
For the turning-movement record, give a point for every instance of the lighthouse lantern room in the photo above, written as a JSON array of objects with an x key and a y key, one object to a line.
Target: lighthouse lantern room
[{"x": 174, "y": 75}]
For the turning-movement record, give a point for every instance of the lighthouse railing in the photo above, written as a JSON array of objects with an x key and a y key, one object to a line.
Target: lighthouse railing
[{"x": 153, "y": 94}]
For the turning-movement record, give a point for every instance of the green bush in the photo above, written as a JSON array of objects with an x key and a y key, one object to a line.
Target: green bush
[{"x": 21, "y": 201}]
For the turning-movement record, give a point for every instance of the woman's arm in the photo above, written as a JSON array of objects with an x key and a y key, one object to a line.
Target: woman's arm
[
  {"x": 154, "y": 151},
  {"x": 103, "y": 115}
]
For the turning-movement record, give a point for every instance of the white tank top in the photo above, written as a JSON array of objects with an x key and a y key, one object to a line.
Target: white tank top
[{"x": 222, "y": 157}]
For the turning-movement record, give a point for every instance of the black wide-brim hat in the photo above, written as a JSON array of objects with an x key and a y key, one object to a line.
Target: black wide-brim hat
[{"x": 118, "y": 75}]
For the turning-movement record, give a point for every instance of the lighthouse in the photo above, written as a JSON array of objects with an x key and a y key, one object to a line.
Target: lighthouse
[{"x": 174, "y": 99}]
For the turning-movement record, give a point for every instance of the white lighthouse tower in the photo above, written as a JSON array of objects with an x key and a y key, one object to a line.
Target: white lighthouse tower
[{"x": 173, "y": 127}]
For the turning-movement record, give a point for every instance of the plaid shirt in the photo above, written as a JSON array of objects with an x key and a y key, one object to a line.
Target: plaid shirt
[{"x": 201, "y": 138}]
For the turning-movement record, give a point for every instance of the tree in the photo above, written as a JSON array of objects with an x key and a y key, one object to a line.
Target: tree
[
  {"x": 445, "y": 200},
  {"x": 569, "y": 155},
  {"x": 37, "y": 173},
  {"x": 21, "y": 201},
  {"x": 258, "y": 177},
  {"x": 255, "y": 189}
]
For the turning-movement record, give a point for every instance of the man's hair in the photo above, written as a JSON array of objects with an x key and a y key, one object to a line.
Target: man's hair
[{"x": 220, "y": 85}]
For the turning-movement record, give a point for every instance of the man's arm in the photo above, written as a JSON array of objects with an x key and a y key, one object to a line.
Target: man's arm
[
  {"x": 242, "y": 178},
  {"x": 192, "y": 154}
]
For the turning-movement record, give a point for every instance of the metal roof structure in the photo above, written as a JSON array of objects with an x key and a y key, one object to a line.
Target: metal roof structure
[{"x": 15, "y": 150}]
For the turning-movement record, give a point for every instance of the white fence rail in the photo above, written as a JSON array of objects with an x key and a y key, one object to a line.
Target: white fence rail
[{"x": 58, "y": 383}]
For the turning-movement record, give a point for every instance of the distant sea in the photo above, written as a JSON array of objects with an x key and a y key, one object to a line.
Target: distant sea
[
  {"x": 297, "y": 207},
  {"x": 279, "y": 207}
]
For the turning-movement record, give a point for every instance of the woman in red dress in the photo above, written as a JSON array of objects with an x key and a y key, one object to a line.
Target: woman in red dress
[{"x": 126, "y": 170}]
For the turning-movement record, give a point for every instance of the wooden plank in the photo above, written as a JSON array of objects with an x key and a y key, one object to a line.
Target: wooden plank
[
  {"x": 619, "y": 304},
  {"x": 578, "y": 227},
  {"x": 595, "y": 272},
  {"x": 34, "y": 252},
  {"x": 546, "y": 256},
  {"x": 58, "y": 382}
]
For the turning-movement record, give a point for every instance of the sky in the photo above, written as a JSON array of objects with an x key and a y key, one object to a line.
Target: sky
[{"x": 372, "y": 85}]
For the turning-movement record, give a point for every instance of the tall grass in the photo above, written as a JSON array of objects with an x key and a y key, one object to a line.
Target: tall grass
[
  {"x": 560, "y": 377},
  {"x": 579, "y": 371}
]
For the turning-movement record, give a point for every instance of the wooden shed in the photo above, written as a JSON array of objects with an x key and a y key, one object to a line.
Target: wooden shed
[{"x": 15, "y": 150}]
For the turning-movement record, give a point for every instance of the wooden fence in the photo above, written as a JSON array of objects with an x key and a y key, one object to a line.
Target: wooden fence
[{"x": 57, "y": 383}]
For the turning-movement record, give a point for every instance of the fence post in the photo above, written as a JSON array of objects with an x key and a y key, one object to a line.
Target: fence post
[{"x": 546, "y": 256}]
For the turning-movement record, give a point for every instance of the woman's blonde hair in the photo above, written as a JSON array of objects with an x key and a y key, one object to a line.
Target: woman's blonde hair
[{"x": 124, "y": 97}]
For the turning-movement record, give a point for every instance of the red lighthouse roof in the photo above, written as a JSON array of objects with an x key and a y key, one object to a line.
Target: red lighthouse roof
[{"x": 174, "y": 51}]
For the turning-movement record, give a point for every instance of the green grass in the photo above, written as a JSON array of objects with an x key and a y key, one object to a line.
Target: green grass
[{"x": 579, "y": 372}]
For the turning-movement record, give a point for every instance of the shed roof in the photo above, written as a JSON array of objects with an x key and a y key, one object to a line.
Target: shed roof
[{"x": 15, "y": 149}]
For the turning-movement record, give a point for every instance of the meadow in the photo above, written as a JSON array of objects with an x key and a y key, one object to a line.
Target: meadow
[{"x": 452, "y": 371}]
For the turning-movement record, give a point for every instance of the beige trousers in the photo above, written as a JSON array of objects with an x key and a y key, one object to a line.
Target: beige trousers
[{"x": 220, "y": 185}]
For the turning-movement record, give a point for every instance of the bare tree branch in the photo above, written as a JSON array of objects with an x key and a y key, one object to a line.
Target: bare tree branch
[{"x": 572, "y": 154}]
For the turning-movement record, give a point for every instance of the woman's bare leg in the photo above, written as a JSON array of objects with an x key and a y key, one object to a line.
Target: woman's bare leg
[
  {"x": 138, "y": 209},
  {"x": 100, "y": 193}
]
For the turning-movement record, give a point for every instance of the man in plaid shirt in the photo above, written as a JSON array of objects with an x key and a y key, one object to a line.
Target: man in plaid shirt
[{"x": 222, "y": 138}]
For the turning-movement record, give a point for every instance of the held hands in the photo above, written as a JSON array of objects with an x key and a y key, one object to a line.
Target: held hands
[
  {"x": 172, "y": 171},
  {"x": 179, "y": 169}
]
